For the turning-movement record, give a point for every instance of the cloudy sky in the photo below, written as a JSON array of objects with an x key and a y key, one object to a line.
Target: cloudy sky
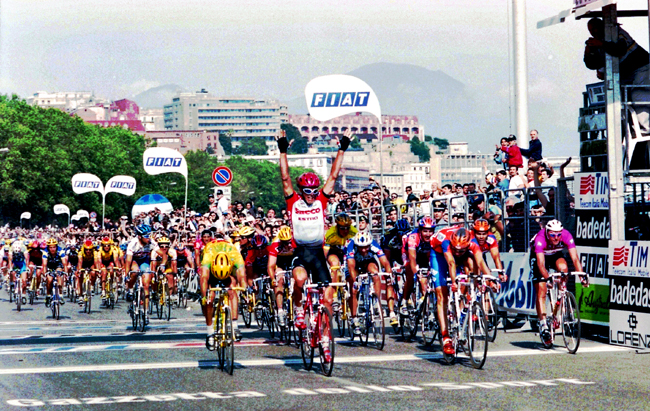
[{"x": 273, "y": 48}]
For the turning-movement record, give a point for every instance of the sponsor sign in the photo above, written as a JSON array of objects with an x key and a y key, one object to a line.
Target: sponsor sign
[
  {"x": 85, "y": 183},
  {"x": 26, "y": 215},
  {"x": 75, "y": 217},
  {"x": 592, "y": 228},
  {"x": 580, "y": 3},
  {"x": 629, "y": 328},
  {"x": 593, "y": 302},
  {"x": 630, "y": 294},
  {"x": 222, "y": 176},
  {"x": 592, "y": 191},
  {"x": 61, "y": 209},
  {"x": 629, "y": 258},
  {"x": 594, "y": 260},
  {"x": 124, "y": 185},
  {"x": 335, "y": 95},
  {"x": 159, "y": 160},
  {"x": 517, "y": 294},
  {"x": 82, "y": 214}
]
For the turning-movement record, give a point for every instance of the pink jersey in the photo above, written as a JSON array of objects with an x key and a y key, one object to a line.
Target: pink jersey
[{"x": 308, "y": 221}]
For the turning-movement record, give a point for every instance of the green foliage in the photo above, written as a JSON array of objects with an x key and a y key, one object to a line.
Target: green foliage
[
  {"x": 420, "y": 149},
  {"x": 209, "y": 150},
  {"x": 226, "y": 143},
  {"x": 252, "y": 147},
  {"x": 355, "y": 143},
  {"x": 442, "y": 143},
  {"x": 428, "y": 139},
  {"x": 299, "y": 145}
]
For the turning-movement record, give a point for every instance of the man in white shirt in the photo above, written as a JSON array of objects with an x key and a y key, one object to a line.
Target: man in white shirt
[
  {"x": 223, "y": 204},
  {"x": 516, "y": 182}
]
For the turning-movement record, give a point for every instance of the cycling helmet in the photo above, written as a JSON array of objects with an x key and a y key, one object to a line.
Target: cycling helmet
[
  {"x": 246, "y": 231},
  {"x": 426, "y": 222},
  {"x": 481, "y": 225},
  {"x": 259, "y": 241},
  {"x": 554, "y": 225},
  {"x": 308, "y": 180},
  {"x": 402, "y": 225},
  {"x": 163, "y": 240},
  {"x": 285, "y": 233},
  {"x": 51, "y": 241},
  {"x": 362, "y": 239},
  {"x": 106, "y": 241},
  {"x": 88, "y": 244},
  {"x": 460, "y": 239},
  {"x": 343, "y": 220},
  {"x": 221, "y": 266},
  {"x": 16, "y": 248},
  {"x": 142, "y": 230}
]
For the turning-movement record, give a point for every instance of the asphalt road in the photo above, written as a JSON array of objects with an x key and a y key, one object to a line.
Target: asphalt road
[{"x": 96, "y": 362}]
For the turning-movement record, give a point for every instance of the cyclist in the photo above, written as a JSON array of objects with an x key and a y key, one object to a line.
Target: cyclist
[
  {"x": 88, "y": 260},
  {"x": 35, "y": 262},
  {"x": 364, "y": 256},
  {"x": 219, "y": 260},
  {"x": 336, "y": 239},
  {"x": 306, "y": 210},
  {"x": 109, "y": 258},
  {"x": 138, "y": 258},
  {"x": 550, "y": 245},
  {"x": 257, "y": 259},
  {"x": 18, "y": 258},
  {"x": 54, "y": 259},
  {"x": 416, "y": 253},
  {"x": 163, "y": 256},
  {"x": 6, "y": 250},
  {"x": 199, "y": 245},
  {"x": 281, "y": 253},
  {"x": 393, "y": 240},
  {"x": 488, "y": 243}
]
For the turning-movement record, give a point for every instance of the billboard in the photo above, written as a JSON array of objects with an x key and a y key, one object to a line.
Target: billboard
[
  {"x": 592, "y": 191},
  {"x": 629, "y": 258},
  {"x": 629, "y": 318}
]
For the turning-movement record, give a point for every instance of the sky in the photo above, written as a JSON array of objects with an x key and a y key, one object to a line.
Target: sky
[{"x": 273, "y": 48}]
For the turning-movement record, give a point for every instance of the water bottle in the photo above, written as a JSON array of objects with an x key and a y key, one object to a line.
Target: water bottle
[{"x": 462, "y": 316}]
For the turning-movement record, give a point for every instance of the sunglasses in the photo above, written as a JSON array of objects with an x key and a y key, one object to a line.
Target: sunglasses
[
  {"x": 310, "y": 191},
  {"x": 145, "y": 236},
  {"x": 555, "y": 235},
  {"x": 164, "y": 246}
]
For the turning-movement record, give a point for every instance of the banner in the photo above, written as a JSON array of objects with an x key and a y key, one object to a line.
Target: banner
[
  {"x": 592, "y": 191},
  {"x": 592, "y": 228},
  {"x": 594, "y": 260},
  {"x": 593, "y": 302},
  {"x": 159, "y": 160},
  {"x": 75, "y": 217},
  {"x": 61, "y": 209},
  {"x": 124, "y": 185},
  {"x": 85, "y": 183},
  {"x": 517, "y": 294},
  {"x": 629, "y": 258},
  {"x": 629, "y": 316},
  {"x": 26, "y": 215},
  {"x": 335, "y": 95},
  {"x": 82, "y": 214}
]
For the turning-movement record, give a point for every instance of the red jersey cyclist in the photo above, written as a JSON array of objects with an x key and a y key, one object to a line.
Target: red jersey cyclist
[
  {"x": 306, "y": 210},
  {"x": 416, "y": 253},
  {"x": 488, "y": 243}
]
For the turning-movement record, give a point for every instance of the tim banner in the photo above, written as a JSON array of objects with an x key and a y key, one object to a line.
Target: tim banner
[
  {"x": 592, "y": 228},
  {"x": 629, "y": 316},
  {"x": 85, "y": 183},
  {"x": 517, "y": 294},
  {"x": 629, "y": 258},
  {"x": 335, "y": 95},
  {"x": 593, "y": 301},
  {"x": 594, "y": 260},
  {"x": 592, "y": 191}
]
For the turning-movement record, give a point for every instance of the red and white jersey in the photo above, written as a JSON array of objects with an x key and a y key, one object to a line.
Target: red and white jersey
[{"x": 308, "y": 221}]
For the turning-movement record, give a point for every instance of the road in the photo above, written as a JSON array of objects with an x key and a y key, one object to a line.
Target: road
[{"x": 96, "y": 362}]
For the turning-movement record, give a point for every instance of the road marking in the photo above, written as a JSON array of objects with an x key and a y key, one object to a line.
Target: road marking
[
  {"x": 126, "y": 326},
  {"x": 284, "y": 362},
  {"x": 89, "y": 321}
]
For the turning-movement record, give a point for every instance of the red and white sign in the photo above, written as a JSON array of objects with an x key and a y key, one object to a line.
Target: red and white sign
[
  {"x": 592, "y": 191},
  {"x": 222, "y": 176},
  {"x": 629, "y": 258}
]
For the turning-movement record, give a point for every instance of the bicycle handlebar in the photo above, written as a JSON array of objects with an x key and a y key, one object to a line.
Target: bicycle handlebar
[
  {"x": 323, "y": 285},
  {"x": 226, "y": 288}
]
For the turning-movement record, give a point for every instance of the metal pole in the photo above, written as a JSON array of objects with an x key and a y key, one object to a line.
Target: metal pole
[
  {"x": 103, "y": 208},
  {"x": 521, "y": 71},
  {"x": 614, "y": 137},
  {"x": 185, "y": 217},
  {"x": 381, "y": 173}
]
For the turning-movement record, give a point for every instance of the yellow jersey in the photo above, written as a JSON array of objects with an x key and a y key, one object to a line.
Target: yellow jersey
[
  {"x": 215, "y": 247},
  {"x": 333, "y": 238}
]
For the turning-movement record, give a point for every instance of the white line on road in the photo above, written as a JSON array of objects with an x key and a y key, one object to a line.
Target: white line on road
[{"x": 273, "y": 362}]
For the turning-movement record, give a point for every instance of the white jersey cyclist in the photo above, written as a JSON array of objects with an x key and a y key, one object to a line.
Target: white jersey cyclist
[{"x": 308, "y": 221}]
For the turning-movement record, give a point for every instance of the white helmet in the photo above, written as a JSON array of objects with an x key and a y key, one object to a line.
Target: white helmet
[
  {"x": 554, "y": 225},
  {"x": 362, "y": 239}
]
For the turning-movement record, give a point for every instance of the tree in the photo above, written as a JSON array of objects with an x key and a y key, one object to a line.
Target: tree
[
  {"x": 420, "y": 149},
  {"x": 442, "y": 143},
  {"x": 427, "y": 138},
  {"x": 299, "y": 145},
  {"x": 355, "y": 143},
  {"x": 226, "y": 143},
  {"x": 209, "y": 150},
  {"x": 253, "y": 147}
]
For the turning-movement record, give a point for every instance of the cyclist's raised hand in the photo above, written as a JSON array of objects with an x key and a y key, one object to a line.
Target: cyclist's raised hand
[
  {"x": 344, "y": 141},
  {"x": 283, "y": 142}
]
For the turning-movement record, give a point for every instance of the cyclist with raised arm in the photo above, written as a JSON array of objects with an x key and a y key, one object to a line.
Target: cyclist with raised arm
[
  {"x": 54, "y": 259},
  {"x": 281, "y": 254},
  {"x": 222, "y": 266},
  {"x": 416, "y": 254},
  {"x": 364, "y": 256},
  {"x": 488, "y": 243},
  {"x": 88, "y": 260},
  {"x": 549, "y": 248},
  {"x": 138, "y": 259},
  {"x": 306, "y": 210}
]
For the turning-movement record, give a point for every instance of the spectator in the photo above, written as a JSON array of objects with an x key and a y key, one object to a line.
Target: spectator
[
  {"x": 500, "y": 155},
  {"x": 503, "y": 183},
  {"x": 222, "y": 202},
  {"x": 459, "y": 203},
  {"x": 410, "y": 197},
  {"x": 212, "y": 203},
  {"x": 513, "y": 152},
  {"x": 534, "y": 149},
  {"x": 516, "y": 182}
]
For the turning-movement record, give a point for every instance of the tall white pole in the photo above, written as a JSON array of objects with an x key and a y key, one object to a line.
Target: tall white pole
[
  {"x": 185, "y": 217},
  {"x": 381, "y": 174},
  {"x": 103, "y": 208},
  {"x": 521, "y": 71}
]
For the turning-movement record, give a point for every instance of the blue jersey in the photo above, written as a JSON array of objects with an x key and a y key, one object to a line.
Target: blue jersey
[
  {"x": 55, "y": 260},
  {"x": 374, "y": 252}
]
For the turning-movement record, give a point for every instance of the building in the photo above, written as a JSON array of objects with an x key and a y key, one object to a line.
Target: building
[
  {"x": 240, "y": 118},
  {"x": 416, "y": 175},
  {"x": 465, "y": 168},
  {"x": 122, "y": 113},
  {"x": 152, "y": 119},
  {"x": 394, "y": 182},
  {"x": 406, "y": 127},
  {"x": 65, "y": 100},
  {"x": 187, "y": 140}
]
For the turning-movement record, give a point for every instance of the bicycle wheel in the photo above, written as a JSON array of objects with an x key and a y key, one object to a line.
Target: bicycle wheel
[
  {"x": 571, "y": 327},
  {"x": 134, "y": 317},
  {"x": 377, "y": 327},
  {"x": 306, "y": 350},
  {"x": 490, "y": 308},
  {"x": 19, "y": 295},
  {"x": 340, "y": 313},
  {"x": 160, "y": 301},
  {"x": 259, "y": 315},
  {"x": 168, "y": 303},
  {"x": 430, "y": 326},
  {"x": 453, "y": 330},
  {"x": 10, "y": 290},
  {"x": 325, "y": 324},
  {"x": 246, "y": 309},
  {"x": 477, "y": 335},
  {"x": 228, "y": 342},
  {"x": 141, "y": 310},
  {"x": 55, "y": 310},
  {"x": 87, "y": 300}
]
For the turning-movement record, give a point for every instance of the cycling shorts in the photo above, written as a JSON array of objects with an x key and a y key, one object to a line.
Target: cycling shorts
[
  {"x": 312, "y": 259},
  {"x": 439, "y": 269},
  {"x": 87, "y": 265},
  {"x": 362, "y": 266},
  {"x": 337, "y": 251},
  {"x": 550, "y": 262},
  {"x": 144, "y": 267},
  {"x": 421, "y": 259},
  {"x": 21, "y": 266},
  {"x": 215, "y": 282}
]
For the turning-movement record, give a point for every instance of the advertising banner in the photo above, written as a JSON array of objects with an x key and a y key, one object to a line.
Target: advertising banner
[
  {"x": 594, "y": 260},
  {"x": 592, "y": 191},
  {"x": 61, "y": 209},
  {"x": 593, "y": 302},
  {"x": 335, "y": 95},
  {"x": 160, "y": 160},
  {"x": 629, "y": 258},
  {"x": 517, "y": 294},
  {"x": 82, "y": 214},
  {"x": 629, "y": 318},
  {"x": 75, "y": 217},
  {"x": 26, "y": 215},
  {"x": 124, "y": 185},
  {"x": 85, "y": 183},
  {"x": 592, "y": 228}
]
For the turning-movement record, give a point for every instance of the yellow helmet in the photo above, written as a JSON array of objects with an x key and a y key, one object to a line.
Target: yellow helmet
[
  {"x": 51, "y": 241},
  {"x": 343, "y": 220},
  {"x": 163, "y": 240},
  {"x": 246, "y": 231},
  {"x": 285, "y": 233},
  {"x": 221, "y": 266},
  {"x": 106, "y": 241}
]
